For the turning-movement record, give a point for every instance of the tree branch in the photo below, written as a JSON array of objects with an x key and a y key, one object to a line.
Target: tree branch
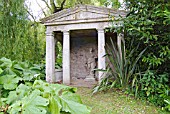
[
  {"x": 47, "y": 5},
  {"x": 61, "y": 6},
  {"x": 53, "y": 6},
  {"x": 41, "y": 9},
  {"x": 31, "y": 15}
]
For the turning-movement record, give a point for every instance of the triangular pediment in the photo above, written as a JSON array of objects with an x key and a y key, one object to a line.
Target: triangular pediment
[{"x": 83, "y": 13}]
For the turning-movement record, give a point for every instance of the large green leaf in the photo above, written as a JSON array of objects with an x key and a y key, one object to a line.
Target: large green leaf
[
  {"x": 7, "y": 66},
  {"x": 35, "y": 67},
  {"x": 54, "y": 105},
  {"x": 28, "y": 75},
  {"x": 28, "y": 70},
  {"x": 71, "y": 105},
  {"x": 32, "y": 104},
  {"x": 42, "y": 86},
  {"x": 42, "y": 97},
  {"x": 5, "y": 62},
  {"x": 18, "y": 67},
  {"x": 71, "y": 96},
  {"x": 21, "y": 66},
  {"x": 9, "y": 82},
  {"x": 16, "y": 107},
  {"x": 21, "y": 91},
  {"x": 61, "y": 97},
  {"x": 55, "y": 88},
  {"x": 61, "y": 88}
]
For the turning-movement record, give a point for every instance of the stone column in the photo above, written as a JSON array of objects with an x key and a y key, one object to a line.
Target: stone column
[
  {"x": 66, "y": 58},
  {"x": 101, "y": 52},
  {"x": 50, "y": 57}
]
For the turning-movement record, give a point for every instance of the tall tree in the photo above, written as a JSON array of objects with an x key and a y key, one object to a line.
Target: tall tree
[{"x": 18, "y": 35}]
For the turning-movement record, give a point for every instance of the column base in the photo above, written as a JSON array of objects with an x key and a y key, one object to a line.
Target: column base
[{"x": 89, "y": 79}]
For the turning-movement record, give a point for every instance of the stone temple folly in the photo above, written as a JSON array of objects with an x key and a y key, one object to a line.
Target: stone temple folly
[{"x": 81, "y": 31}]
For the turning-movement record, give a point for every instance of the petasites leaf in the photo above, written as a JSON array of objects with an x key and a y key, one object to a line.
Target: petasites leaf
[
  {"x": 72, "y": 105},
  {"x": 54, "y": 105},
  {"x": 5, "y": 62},
  {"x": 32, "y": 104},
  {"x": 9, "y": 82},
  {"x": 58, "y": 88},
  {"x": 21, "y": 91}
]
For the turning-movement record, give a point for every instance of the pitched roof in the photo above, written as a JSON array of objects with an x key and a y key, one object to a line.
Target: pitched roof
[{"x": 82, "y": 13}]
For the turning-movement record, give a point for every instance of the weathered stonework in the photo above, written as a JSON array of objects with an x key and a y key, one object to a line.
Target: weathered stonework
[
  {"x": 80, "y": 53},
  {"x": 79, "y": 29}
]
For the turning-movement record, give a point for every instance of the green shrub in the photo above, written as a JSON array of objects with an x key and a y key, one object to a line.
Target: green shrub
[
  {"x": 148, "y": 24},
  {"x": 154, "y": 88},
  {"x": 167, "y": 101}
]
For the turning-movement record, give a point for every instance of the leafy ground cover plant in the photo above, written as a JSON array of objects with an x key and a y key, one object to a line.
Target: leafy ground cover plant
[
  {"x": 23, "y": 92},
  {"x": 44, "y": 98},
  {"x": 13, "y": 73}
]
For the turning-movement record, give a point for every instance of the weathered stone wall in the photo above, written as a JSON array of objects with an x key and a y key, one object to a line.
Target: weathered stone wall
[
  {"x": 81, "y": 42},
  {"x": 80, "y": 52}
]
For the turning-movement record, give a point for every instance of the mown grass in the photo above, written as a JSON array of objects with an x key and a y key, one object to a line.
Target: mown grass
[{"x": 116, "y": 103}]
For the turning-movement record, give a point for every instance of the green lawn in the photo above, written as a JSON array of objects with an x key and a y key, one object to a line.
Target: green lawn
[{"x": 115, "y": 103}]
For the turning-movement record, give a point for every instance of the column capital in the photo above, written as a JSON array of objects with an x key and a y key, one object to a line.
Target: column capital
[
  {"x": 66, "y": 32},
  {"x": 49, "y": 33},
  {"x": 100, "y": 30}
]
